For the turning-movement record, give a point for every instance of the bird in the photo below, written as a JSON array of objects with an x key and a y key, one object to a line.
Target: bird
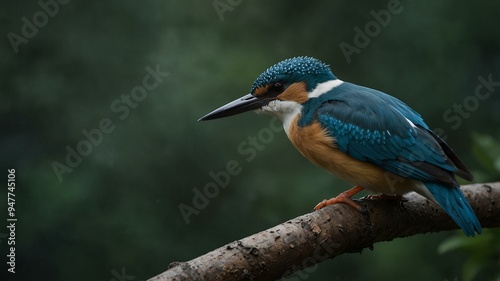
[{"x": 363, "y": 136}]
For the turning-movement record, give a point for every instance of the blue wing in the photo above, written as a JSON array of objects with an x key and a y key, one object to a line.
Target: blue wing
[{"x": 372, "y": 126}]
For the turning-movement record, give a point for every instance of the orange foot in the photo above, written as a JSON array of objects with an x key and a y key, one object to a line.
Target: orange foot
[{"x": 344, "y": 197}]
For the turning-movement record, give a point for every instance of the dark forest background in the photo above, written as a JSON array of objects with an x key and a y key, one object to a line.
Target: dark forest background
[{"x": 74, "y": 69}]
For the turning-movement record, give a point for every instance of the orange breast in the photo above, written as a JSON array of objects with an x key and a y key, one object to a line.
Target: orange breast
[{"x": 318, "y": 147}]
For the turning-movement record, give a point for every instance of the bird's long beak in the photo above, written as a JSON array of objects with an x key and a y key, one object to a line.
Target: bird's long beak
[{"x": 243, "y": 104}]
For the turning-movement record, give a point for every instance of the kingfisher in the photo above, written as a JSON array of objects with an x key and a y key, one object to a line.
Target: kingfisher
[{"x": 368, "y": 138}]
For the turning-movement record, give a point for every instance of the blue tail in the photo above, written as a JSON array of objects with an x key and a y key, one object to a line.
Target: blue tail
[{"x": 452, "y": 200}]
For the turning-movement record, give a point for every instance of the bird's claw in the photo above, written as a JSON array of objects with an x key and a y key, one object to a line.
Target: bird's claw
[
  {"x": 341, "y": 198},
  {"x": 344, "y": 197}
]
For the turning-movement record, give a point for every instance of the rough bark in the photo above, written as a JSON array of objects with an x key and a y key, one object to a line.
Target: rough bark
[{"x": 309, "y": 239}]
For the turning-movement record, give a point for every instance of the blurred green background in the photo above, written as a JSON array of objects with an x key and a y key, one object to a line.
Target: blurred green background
[{"x": 118, "y": 209}]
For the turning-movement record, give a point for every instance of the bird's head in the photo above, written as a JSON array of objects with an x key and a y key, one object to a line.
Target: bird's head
[{"x": 282, "y": 88}]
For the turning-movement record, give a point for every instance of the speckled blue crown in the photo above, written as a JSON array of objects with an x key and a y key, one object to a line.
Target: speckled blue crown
[{"x": 294, "y": 70}]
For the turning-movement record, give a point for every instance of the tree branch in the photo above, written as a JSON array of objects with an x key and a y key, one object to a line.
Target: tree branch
[{"x": 309, "y": 239}]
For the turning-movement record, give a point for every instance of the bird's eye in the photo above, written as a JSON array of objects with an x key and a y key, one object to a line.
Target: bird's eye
[{"x": 278, "y": 87}]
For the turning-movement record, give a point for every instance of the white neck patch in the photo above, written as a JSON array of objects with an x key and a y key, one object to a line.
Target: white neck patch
[
  {"x": 286, "y": 111},
  {"x": 324, "y": 87}
]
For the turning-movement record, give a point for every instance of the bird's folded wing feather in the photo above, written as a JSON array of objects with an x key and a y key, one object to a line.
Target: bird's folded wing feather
[{"x": 372, "y": 126}]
